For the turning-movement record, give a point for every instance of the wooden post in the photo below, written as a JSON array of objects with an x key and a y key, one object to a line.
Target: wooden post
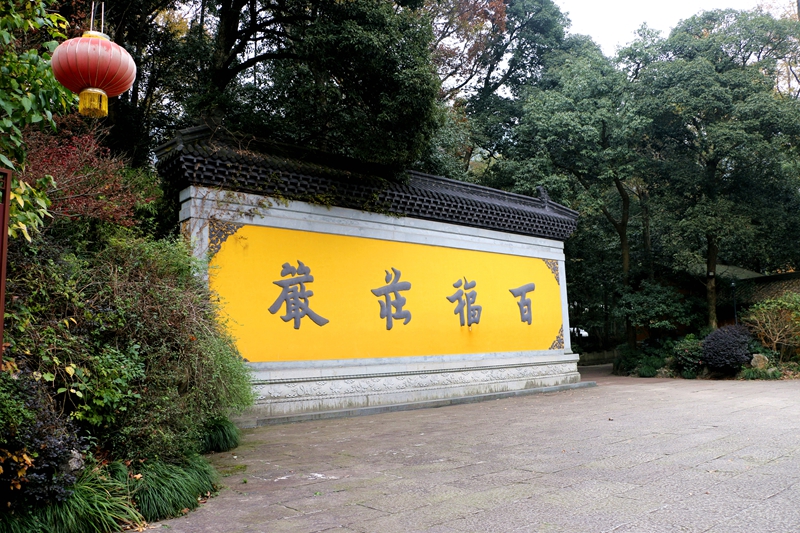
[{"x": 4, "y": 209}]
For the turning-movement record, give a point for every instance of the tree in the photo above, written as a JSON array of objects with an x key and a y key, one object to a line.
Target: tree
[
  {"x": 724, "y": 140},
  {"x": 579, "y": 127},
  {"x": 357, "y": 80},
  {"x": 29, "y": 94},
  {"x": 353, "y": 78},
  {"x": 463, "y": 31}
]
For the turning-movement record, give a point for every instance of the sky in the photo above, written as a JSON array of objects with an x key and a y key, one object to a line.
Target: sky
[{"x": 612, "y": 23}]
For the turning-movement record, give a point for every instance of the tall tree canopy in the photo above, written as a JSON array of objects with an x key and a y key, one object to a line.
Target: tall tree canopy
[
  {"x": 354, "y": 78},
  {"x": 725, "y": 141}
]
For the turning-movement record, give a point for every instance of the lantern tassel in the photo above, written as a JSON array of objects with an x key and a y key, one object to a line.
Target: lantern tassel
[{"x": 93, "y": 103}]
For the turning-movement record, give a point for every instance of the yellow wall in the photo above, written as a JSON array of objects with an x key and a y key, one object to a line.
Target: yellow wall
[{"x": 346, "y": 269}]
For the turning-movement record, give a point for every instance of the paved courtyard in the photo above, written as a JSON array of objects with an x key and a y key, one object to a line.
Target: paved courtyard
[{"x": 630, "y": 455}]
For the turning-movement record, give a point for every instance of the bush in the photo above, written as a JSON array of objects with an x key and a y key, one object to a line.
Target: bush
[
  {"x": 644, "y": 362},
  {"x": 647, "y": 371},
  {"x": 776, "y": 322},
  {"x": 40, "y": 453},
  {"x": 124, "y": 333},
  {"x": 688, "y": 356},
  {"x": 726, "y": 349},
  {"x": 626, "y": 361}
]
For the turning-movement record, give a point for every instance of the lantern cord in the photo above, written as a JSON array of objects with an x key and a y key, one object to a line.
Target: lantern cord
[{"x": 102, "y": 17}]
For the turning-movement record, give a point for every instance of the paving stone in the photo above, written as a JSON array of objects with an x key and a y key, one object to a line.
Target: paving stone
[{"x": 628, "y": 456}]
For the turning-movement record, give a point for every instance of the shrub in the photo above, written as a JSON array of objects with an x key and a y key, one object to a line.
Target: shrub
[
  {"x": 646, "y": 371},
  {"x": 626, "y": 361},
  {"x": 688, "y": 356},
  {"x": 726, "y": 349},
  {"x": 40, "y": 453},
  {"x": 776, "y": 322},
  {"x": 124, "y": 334}
]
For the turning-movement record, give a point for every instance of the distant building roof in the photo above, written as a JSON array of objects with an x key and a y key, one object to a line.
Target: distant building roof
[
  {"x": 200, "y": 156},
  {"x": 758, "y": 289}
]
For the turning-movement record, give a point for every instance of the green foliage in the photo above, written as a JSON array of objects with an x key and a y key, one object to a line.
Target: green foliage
[
  {"x": 125, "y": 336},
  {"x": 107, "y": 384},
  {"x": 727, "y": 349},
  {"x": 645, "y": 361},
  {"x": 655, "y": 306},
  {"x": 99, "y": 503},
  {"x": 717, "y": 130},
  {"x": 29, "y": 94},
  {"x": 760, "y": 373},
  {"x": 164, "y": 490},
  {"x": 37, "y": 443},
  {"x": 220, "y": 435},
  {"x": 359, "y": 82},
  {"x": 688, "y": 356},
  {"x": 776, "y": 322},
  {"x": 28, "y": 91},
  {"x": 646, "y": 371},
  {"x": 449, "y": 150},
  {"x": 626, "y": 361},
  {"x": 28, "y": 208},
  {"x": 13, "y": 412}
]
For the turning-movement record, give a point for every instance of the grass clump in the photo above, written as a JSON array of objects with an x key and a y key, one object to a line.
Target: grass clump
[
  {"x": 220, "y": 435},
  {"x": 167, "y": 490},
  {"x": 98, "y": 503},
  {"x": 760, "y": 373}
]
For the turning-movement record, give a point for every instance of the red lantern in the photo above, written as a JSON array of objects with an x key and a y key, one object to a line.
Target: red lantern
[{"x": 95, "y": 68}]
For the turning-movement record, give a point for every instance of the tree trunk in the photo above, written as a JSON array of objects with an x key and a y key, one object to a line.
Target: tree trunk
[
  {"x": 625, "y": 248},
  {"x": 644, "y": 200},
  {"x": 711, "y": 280}
]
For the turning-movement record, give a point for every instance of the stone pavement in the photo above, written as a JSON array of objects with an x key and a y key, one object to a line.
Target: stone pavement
[{"x": 630, "y": 455}]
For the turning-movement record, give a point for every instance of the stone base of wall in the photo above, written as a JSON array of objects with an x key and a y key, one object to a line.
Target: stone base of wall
[{"x": 322, "y": 389}]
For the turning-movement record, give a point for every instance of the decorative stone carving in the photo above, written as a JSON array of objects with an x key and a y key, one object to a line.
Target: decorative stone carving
[
  {"x": 558, "y": 344},
  {"x": 218, "y": 233},
  {"x": 552, "y": 264},
  {"x": 316, "y": 389}
]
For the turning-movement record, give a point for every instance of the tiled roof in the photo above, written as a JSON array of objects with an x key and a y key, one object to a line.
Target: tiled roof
[
  {"x": 766, "y": 287},
  {"x": 198, "y": 156}
]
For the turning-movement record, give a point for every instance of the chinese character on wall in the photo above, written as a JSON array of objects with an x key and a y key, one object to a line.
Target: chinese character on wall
[
  {"x": 524, "y": 303},
  {"x": 393, "y": 302},
  {"x": 467, "y": 311},
  {"x": 295, "y": 296}
]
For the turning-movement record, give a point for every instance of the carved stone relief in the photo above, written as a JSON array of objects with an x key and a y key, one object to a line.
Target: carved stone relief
[{"x": 218, "y": 233}]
